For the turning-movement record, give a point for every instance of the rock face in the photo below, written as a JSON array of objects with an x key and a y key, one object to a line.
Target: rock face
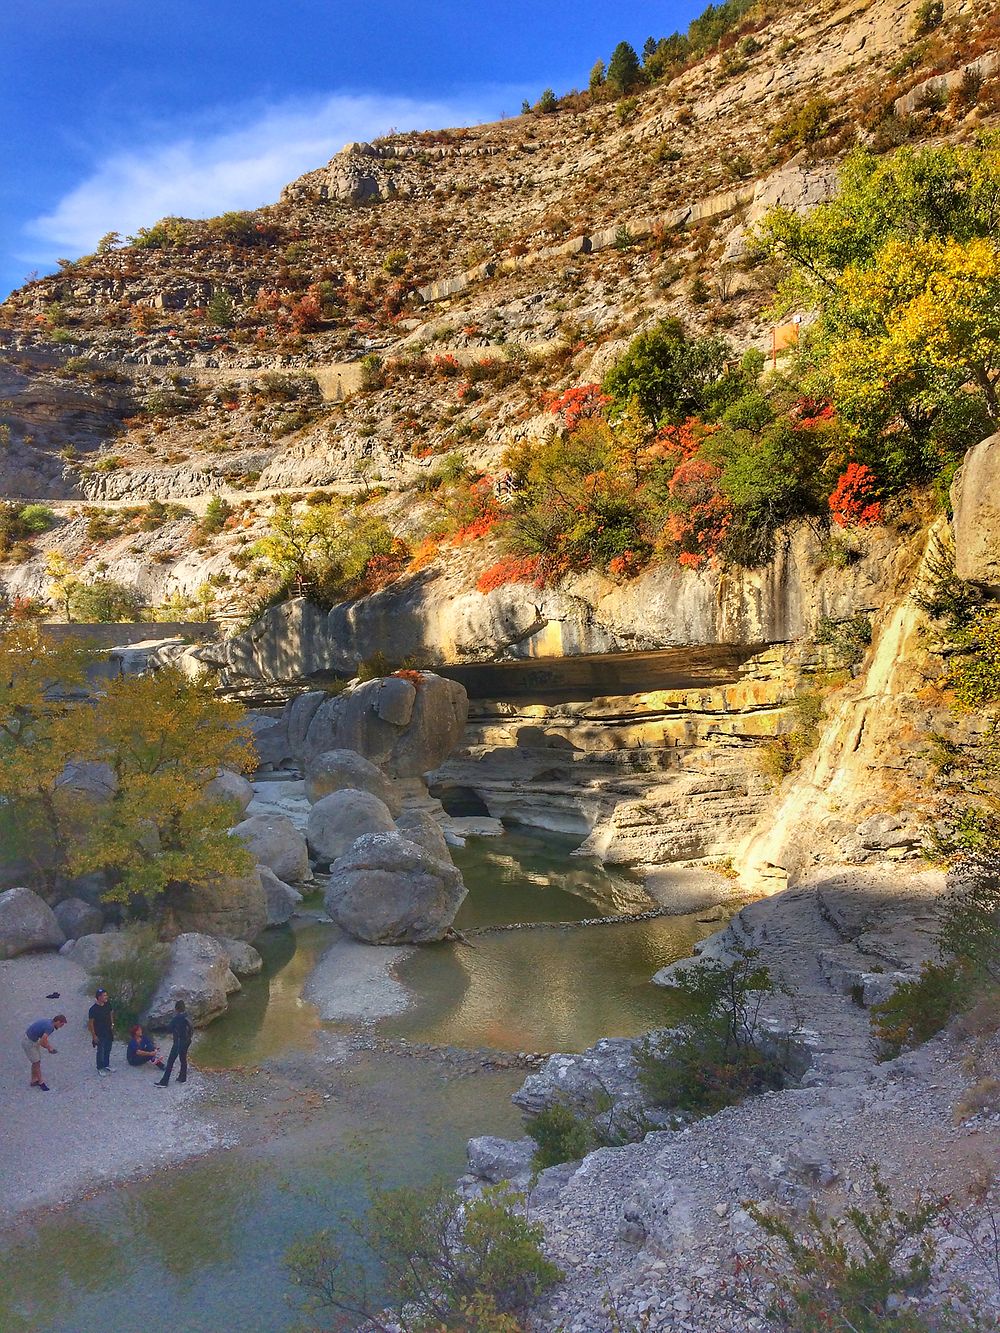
[
  {"x": 282, "y": 899},
  {"x": 27, "y": 922},
  {"x": 198, "y": 973},
  {"x": 387, "y": 890},
  {"x": 276, "y": 843},
  {"x": 405, "y": 725},
  {"x": 226, "y": 786},
  {"x": 335, "y": 770},
  {"x": 338, "y": 820},
  {"x": 975, "y": 499},
  {"x": 232, "y": 906},
  {"x": 77, "y": 918}
]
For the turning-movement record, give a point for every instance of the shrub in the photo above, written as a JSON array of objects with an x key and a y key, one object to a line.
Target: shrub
[
  {"x": 929, "y": 15},
  {"x": 976, "y": 678},
  {"x": 547, "y": 103},
  {"x": 105, "y": 602},
  {"x": 783, "y": 755},
  {"x": 131, "y": 979},
  {"x": 36, "y": 518},
  {"x": 395, "y": 262},
  {"x": 848, "y": 638},
  {"x": 855, "y": 501},
  {"x": 804, "y": 125},
  {"x": 561, "y": 1136},
  {"x": 853, "y": 1272},
  {"x": 374, "y": 667},
  {"x": 217, "y": 511},
  {"x": 443, "y": 1266},
  {"x": 916, "y": 1010},
  {"x": 712, "y": 1060}
]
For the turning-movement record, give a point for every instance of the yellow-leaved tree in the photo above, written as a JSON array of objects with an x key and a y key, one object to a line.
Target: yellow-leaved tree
[{"x": 112, "y": 779}]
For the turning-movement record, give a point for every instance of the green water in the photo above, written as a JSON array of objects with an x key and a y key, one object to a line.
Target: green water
[{"x": 198, "y": 1249}]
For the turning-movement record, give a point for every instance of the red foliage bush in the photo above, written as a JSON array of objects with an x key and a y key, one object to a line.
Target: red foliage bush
[
  {"x": 856, "y": 499},
  {"x": 582, "y": 403},
  {"x": 513, "y": 569},
  {"x": 445, "y": 367}
]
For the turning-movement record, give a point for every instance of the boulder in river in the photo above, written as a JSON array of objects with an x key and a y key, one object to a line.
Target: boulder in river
[
  {"x": 230, "y": 905},
  {"x": 276, "y": 843},
  {"x": 423, "y": 829},
  {"x": 27, "y": 922},
  {"x": 282, "y": 899},
  {"x": 336, "y": 770},
  {"x": 198, "y": 973},
  {"x": 337, "y": 821},
  {"x": 387, "y": 890},
  {"x": 244, "y": 959}
]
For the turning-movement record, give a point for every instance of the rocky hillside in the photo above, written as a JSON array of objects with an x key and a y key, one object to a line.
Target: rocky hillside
[{"x": 484, "y": 268}]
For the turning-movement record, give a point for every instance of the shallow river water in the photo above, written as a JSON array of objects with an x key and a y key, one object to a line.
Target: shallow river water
[{"x": 198, "y": 1248}]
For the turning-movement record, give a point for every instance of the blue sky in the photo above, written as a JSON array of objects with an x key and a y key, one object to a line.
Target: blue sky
[{"x": 118, "y": 112}]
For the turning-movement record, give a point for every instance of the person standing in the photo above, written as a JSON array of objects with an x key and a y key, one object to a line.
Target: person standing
[
  {"x": 36, "y": 1040},
  {"x": 101, "y": 1022},
  {"x": 181, "y": 1032}
]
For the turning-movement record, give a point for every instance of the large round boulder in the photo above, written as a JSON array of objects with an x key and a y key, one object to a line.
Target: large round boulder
[
  {"x": 77, "y": 917},
  {"x": 230, "y": 905},
  {"x": 408, "y": 723},
  {"x": 27, "y": 922},
  {"x": 282, "y": 899},
  {"x": 276, "y": 843},
  {"x": 423, "y": 829},
  {"x": 387, "y": 890},
  {"x": 227, "y": 786},
  {"x": 198, "y": 973},
  {"x": 91, "y": 952},
  {"x": 336, "y": 770},
  {"x": 337, "y": 821}
]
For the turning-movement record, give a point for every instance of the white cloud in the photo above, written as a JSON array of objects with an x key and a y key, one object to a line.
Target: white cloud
[{"x": 240, "y": 161}]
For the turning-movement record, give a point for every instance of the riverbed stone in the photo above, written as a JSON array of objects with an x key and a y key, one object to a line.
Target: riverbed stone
[
  {"x": 77, "y": 917},
  {"x": 337, "y": 821},
  {"x": 230, "y": 905},
  {"x": 387, "y": 890},
  {"x": 228, "y": 786},
  {"x": 27, "y": 922},
  {"x": 244, "y": 960},
  {"x": 335, "y": 770},
  {"x": 197, "y": 972},
  {"x": 282, "y": 899},
  {"x": 277, "y": 843}
]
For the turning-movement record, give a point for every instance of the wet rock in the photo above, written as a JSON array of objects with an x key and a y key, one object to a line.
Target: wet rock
[
  {"x": 244, "y": 960},
  {"x": 276, "y": 843},
  {"x": 77, "y": 918},
  {"x": 198, "y": 973},
  {"x": 336, "y": 770},
  {"x": 387, "y": 890},
  {"x": 281, "y": 898},
  {"x": 27, "y": 922},
  {"x": 337, "y": 821}
]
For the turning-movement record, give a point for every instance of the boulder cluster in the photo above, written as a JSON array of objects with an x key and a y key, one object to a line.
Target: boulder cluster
[{"x": 372, "y": 831}]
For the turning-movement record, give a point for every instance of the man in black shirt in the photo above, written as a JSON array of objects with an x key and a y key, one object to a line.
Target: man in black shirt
[
  {"x": 181, "y": 1031},
  {"x": 101, "y": 1022}
]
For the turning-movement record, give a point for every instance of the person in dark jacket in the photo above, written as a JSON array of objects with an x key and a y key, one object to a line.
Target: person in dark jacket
[
  {"x": 181, "y": 1032},
  {"x": 101, "y": 1022}
]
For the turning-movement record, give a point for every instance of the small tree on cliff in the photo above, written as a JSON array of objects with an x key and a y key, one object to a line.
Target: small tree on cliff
[{"x": 624, "y": 70}]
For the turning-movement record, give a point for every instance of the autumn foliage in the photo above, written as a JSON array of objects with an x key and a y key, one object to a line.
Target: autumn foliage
[{"x": 855, "y": 501}]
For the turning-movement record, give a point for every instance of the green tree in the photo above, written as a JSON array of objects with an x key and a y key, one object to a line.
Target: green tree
[
  {"x": 624, "y": 70},
  {"x": 221, "y": 309},
  {"x": 670, "y": 375},
  {"x": 104, "y": 602},
  {"x": 597, "y": 76}
]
